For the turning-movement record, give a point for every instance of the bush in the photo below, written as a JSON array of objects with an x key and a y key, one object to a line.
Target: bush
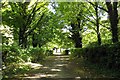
[
  {"x": 65, "y": 52},
  {"x": 14, "y": 54},
  {"x": 25, "y": 55},
  {"x": 76, "y": 52},
  {"x": 37, "y": 54},
  {"x": 49, "y": 52},
  {"x": 113, "y": 55},
  {"x": 106, "y": 55},
  {"x": 11, "y": 54},
  {"x": 14, "y": 68}
]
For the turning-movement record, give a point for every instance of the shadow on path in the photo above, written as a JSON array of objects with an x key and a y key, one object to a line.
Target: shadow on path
[{"x": 59, "y": 67}]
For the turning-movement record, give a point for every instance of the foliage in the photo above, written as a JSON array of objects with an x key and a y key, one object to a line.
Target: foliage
[
  {"x": 49, "y": 52},
  {"x": 105, "y": 55},
  {"x": 27, "y": 24},
  {"x": 24, "y": 18},
  {"x": 7, "y": 34},
  {"x": 65, "y": 52},
  {"x": 15, "y": 69},
  {"x": 76, "y": 53},
  {"x": 11, "y": 54},
  {"x": 14, "y": 54},
  {"x": 37, "y": 54}
]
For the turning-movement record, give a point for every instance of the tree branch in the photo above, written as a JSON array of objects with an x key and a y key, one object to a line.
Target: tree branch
[
  {"x": 98, "y": 6},
  {"x": 92, "y": 27},
  {"x": 40, "y": 7},
  {"x": 87, "y": 18},
  {"x": 90, "y": 12},
  {"x": 105, "y": 26},
  {"x": 31, "y": 15},
  {"x": 29, "y": 32}
]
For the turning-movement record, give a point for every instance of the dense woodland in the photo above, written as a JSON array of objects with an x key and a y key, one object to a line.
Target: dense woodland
[{"x": 30, "y": 31}]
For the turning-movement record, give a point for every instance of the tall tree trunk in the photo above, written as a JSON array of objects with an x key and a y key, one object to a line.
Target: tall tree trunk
[
  {"x": 76, "y": 36},
  {"x": 22, "y": 38},
  {"x": 113, "y": 17},
  {"x": 34, "y": 41},
  {"x": 97, "y": 24},
  {"x": 78, "y": 42},
  {"x": 39, "y": 42},
  {"x": 25, "y": 41},
  {"x": 79, "y": 32}
]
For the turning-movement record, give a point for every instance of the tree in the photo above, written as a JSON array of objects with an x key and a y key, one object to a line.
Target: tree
[
  {"x": 72, "y": 16},
  {"x": 97, "y": 23},
  {"x": 95, "y": 14},
  {"x": 24, "y": 19},
  {"x": 76, "y": 35},
  {"x": 113, "y": 17}
]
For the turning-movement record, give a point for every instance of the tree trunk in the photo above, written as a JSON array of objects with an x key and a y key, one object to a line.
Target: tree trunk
[
  {"x": 76, "y": 36},
  {"x": 22, "y": 38},
  {"x": 78, "y": 43},
  {"x": 97, "y": 24},
  {"x": 113, "y": 17},
  {"x": 34, "y": 41}
]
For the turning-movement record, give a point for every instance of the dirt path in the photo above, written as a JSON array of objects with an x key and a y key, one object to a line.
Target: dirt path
[{"x": 60, "y": 67}]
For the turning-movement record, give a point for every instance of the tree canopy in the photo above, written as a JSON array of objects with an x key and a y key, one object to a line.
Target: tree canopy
[{"x": 32, "y": 30}]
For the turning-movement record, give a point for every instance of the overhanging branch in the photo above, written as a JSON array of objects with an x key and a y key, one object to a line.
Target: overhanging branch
[
  {"x": 98, "y": 6},
  {"x": 29, "y": 32}
]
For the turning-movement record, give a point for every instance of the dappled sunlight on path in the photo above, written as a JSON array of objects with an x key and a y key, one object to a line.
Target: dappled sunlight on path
[
  {"x": 52, "y": 67},
  {"x": 60, "y": 67}
]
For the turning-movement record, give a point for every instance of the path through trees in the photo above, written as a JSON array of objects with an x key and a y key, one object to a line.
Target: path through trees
[{"x": 61, "y": 67}]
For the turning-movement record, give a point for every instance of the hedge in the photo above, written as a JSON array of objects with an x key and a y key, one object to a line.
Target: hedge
[{"x": 105, "y": 55}]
